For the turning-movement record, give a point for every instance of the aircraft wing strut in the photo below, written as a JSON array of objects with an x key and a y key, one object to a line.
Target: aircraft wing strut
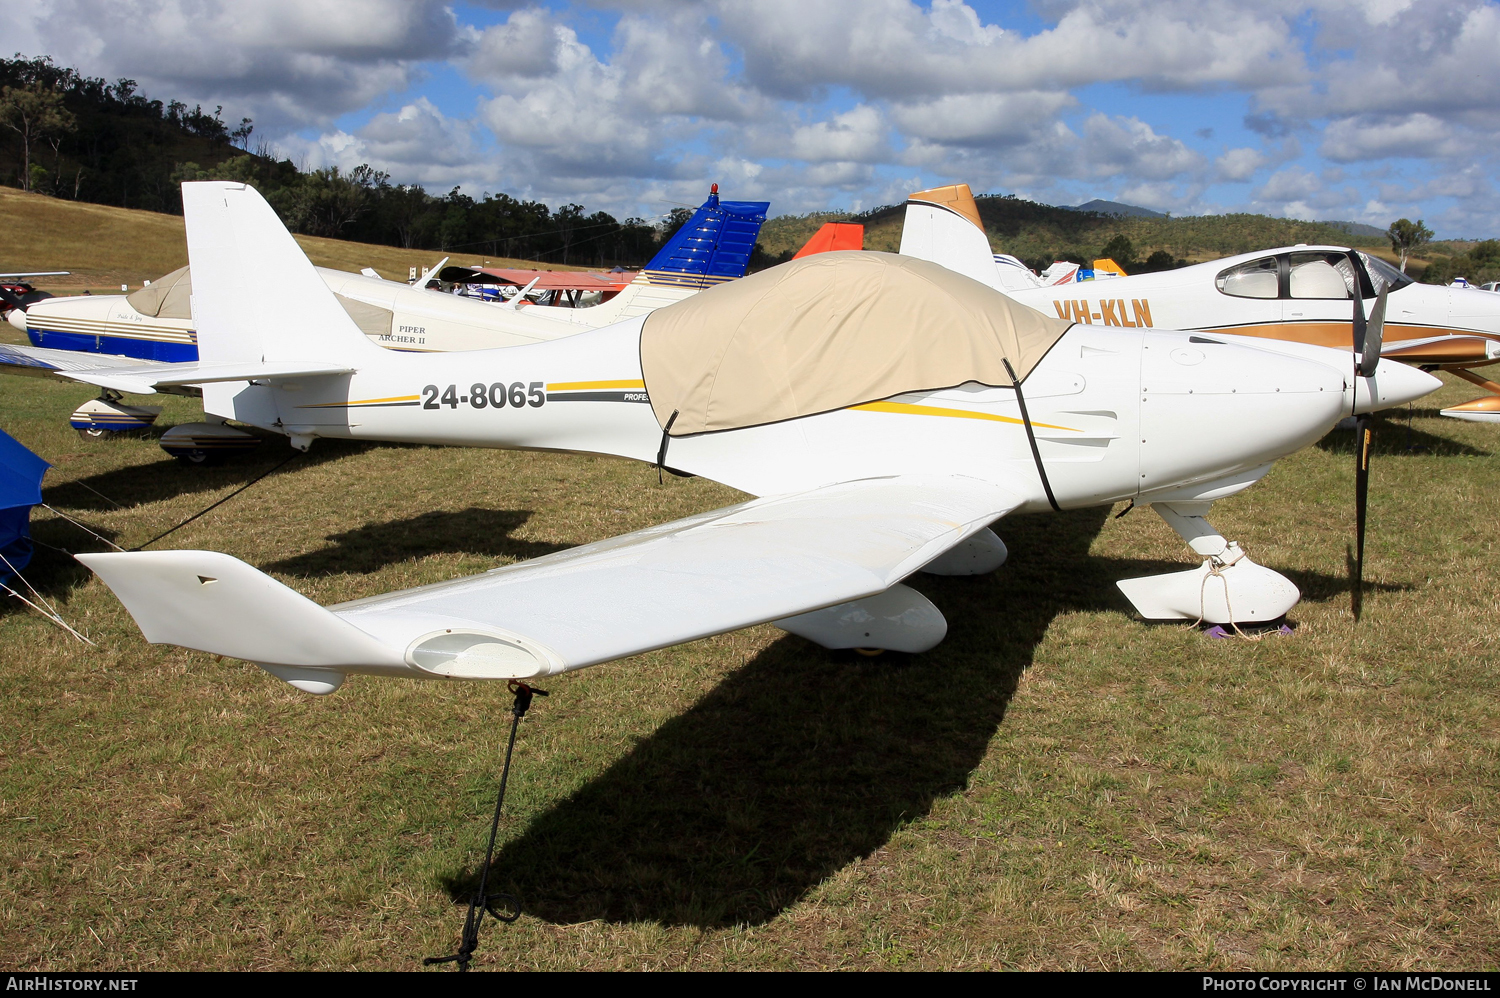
[{"x": 759, "y": 561}]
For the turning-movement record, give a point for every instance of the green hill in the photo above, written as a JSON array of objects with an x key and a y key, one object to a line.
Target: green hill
[
  {"x": 1040, "y": 234},
  {"x": 104, "y": 246}
]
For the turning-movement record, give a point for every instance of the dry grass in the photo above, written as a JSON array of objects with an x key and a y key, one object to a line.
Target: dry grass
[
  {"x": 1057, "y": 786},
  {"x": 105, "y": 247}
]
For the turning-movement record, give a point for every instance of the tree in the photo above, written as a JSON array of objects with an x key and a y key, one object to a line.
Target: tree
[
  {"x": 34, "y": 112},
  {"x": 1158, "y": 261},
  {"x": 1406, "y": 236},
  {"x": 676, "y": 219},
  {"x": 241, "y": 135},
  {"x": 1121, "y": 250},
  {"x": 566, "y": 219},
  {"x": 326, "y": 202}
]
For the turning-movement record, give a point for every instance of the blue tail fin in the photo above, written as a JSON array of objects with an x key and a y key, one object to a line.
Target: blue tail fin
[{"x": 714, "y": 246}]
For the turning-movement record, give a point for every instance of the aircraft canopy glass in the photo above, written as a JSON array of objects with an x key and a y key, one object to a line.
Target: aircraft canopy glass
[
  {"x": 831, "y": 331},
  {"x": 172, "y": 298},
  {"x": 168, "y": 298},
  {"x": 1256, "y": 279},
  {"x": 1382, "y": 273},
  {"x": 1322, "y": 275}
]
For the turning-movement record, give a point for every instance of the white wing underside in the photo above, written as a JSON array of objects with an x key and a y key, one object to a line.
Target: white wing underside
[
  {"x": 66, "y": 362},
  {"x": 759, "y": 561},
  {"x": 144, "y": 377}
]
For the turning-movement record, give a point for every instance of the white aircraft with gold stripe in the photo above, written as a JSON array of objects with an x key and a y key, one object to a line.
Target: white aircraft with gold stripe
[
  {"x": 1301, "y": 294},
  {"x": 884, "y": 410}
]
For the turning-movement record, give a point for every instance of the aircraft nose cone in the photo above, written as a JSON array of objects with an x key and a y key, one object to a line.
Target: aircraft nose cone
[
  {"x": 1210, "y": 407},
  {"x": 1393, "y": 384},
  {"x": 17, "y": 318}
]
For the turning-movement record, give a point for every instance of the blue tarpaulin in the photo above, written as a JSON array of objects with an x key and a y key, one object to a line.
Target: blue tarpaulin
[{"x": 20, "y": 489}]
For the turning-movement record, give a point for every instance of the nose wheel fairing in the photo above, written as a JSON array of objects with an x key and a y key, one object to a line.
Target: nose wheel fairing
[{"x": 1227, "y": 588}]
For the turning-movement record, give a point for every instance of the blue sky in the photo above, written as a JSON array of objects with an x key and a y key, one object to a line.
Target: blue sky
[{"x": 1349, "y": 109}]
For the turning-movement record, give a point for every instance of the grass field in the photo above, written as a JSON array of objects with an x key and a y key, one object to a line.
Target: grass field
[
  {"x": 1058, "y": 785},
  {"x": 105, "y": 247}
]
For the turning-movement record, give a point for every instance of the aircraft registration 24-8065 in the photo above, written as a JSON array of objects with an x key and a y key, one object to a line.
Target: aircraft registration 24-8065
[{"x": 885, "y": 409}]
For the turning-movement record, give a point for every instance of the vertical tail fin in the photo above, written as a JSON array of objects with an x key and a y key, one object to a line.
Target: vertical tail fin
[
  {"x": 943, "y": 225},
  {"x": 256, "y": 296},
  {"x": 834, "y": 236},
  {"x": 714, "y": 246}
]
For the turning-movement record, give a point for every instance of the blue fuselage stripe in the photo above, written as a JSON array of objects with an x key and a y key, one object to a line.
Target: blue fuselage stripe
[{"x": 118, "y": 346}]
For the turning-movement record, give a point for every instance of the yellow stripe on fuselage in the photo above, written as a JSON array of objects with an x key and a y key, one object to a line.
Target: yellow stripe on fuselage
[
  {"x": 337, "y": 405},
  {"x": 577, "y": 386},
  {"x": 908, "y": 409}
]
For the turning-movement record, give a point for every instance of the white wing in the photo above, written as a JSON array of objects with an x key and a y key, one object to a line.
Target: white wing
[
  {"x": 759, "y": 561},
  {"x": 144, "y": 377},
  {"x": 63, "y": 363}
]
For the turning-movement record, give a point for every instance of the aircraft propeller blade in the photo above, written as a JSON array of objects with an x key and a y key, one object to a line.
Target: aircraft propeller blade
[
  {"x": 1369, "y": 350},
  {"x": 1359, "y": 323},
  {"x": 10, "y": 298},
  {"x": 1362, "y": 439}
]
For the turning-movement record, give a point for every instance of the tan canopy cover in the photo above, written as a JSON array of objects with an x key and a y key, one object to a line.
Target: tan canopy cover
[
  {"x": 830, "y": 331},
  {"x": 168, "y": 298},
  {"x": 172, "y": 297}
]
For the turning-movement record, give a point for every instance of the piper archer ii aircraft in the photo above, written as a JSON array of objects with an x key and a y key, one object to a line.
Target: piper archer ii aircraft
[
  {"x": 885, "y": 410},
  {"x": 1296, "y": 293},
  {"x": 86, "y": 338}
]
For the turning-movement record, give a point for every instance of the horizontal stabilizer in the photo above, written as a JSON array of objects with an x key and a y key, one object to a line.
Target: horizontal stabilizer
[
  {"x": 146, "y": 380},
  {"x": 760, "y": 561}
]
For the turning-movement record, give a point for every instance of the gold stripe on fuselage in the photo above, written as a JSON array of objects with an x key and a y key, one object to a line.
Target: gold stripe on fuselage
[
  {"x": 355, "y": 402},
  {"x": 908, "y": 409},
  {"x": 100, "y": 327},
  {"x": 578, "y": 386},
  {"x": 1339, "y": 335}
]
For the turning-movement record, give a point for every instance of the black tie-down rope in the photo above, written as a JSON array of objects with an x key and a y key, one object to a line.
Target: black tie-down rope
[
  {"x": 295, "y": 454},
  {"x": 1036, "y": 453},
  {"x": 661, "y": 453},
  {"x": 482, "y": 901}
]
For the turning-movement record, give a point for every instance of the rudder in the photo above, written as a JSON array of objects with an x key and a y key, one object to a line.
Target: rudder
[{"x": 242, "y": 256}]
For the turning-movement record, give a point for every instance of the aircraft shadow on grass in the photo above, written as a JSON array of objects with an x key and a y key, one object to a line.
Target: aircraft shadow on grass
[
  {"x": 168, "y": 478},
  {"x": 55, "y": 574},
  {"x": 374, "y": 546},
  {"x": 804, "y": 761},
  {"x": 1395, "y": 438}
]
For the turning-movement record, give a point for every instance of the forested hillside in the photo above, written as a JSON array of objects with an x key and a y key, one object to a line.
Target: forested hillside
[
  {"x": 78, "y": 138},
  {"x": 1040, "y": 234},
  {"x": 84, "y": 139}
]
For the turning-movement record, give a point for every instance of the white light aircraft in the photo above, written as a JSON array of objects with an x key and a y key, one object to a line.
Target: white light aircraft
[
  {"x": 1301, "y": 294},
  {"x": 88, "y": 338},
  {"x": 885, "y": 410}
]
